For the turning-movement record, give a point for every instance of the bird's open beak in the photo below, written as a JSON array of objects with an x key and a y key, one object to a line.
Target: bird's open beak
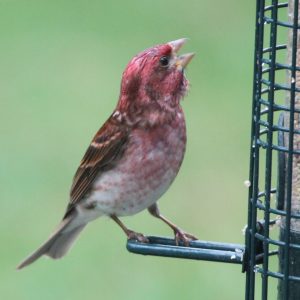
[{"x": 182, "y": 60}]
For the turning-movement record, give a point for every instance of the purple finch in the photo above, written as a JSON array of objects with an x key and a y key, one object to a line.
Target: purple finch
[{"x": 136, "y": 154}]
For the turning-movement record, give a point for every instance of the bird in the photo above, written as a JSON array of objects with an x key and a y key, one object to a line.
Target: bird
[{"x": 135, "y": 156}]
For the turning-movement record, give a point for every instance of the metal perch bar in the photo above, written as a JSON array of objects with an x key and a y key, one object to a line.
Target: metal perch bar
[{"x": 197, "y": 250}]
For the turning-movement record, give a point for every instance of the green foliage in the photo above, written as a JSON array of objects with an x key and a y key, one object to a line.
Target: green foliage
[{"x": 61, "y": 65}]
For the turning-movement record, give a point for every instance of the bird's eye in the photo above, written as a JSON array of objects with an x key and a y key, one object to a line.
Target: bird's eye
[{"x": 164, "y": 61}]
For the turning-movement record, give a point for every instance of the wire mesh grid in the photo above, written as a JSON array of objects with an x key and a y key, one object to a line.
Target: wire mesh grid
[{"x": 274, "y": 194}]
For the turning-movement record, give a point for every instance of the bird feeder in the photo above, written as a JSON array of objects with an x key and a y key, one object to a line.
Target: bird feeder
[{"x": 269, "y": 256}]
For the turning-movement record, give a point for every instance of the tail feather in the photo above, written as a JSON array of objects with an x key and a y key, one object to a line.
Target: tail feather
[{"x": 58, "y": 243}]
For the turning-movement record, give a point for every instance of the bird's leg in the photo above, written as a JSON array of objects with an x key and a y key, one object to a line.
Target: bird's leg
[
  {"x": 180, "y": 235},
  {"x": 131, "y": 235}
]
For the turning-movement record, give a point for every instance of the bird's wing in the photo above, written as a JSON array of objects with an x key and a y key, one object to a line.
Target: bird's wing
[{"x": 105, "y": 149}]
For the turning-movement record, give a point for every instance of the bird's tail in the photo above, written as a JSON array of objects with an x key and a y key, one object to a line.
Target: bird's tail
[{"x": 58, "y": 243}]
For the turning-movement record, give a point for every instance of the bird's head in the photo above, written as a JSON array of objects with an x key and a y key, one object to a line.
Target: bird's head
[{"x": 155, "y": 75}]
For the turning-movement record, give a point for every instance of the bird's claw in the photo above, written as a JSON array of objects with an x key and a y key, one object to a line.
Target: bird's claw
[
  {"x": 132, "y": 235},
  {"x": 184, "y": 237}
]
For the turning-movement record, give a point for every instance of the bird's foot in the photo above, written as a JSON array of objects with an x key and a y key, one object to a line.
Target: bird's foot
[
  {"x": 184, "y": 237},
  {"x": 132, "y": 235}
]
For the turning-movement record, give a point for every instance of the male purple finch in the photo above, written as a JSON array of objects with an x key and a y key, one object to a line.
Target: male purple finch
[{"x": 136, "y": 154}]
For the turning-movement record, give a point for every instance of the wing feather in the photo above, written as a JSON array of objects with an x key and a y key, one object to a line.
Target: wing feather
[{"x": 105, "y": 149}]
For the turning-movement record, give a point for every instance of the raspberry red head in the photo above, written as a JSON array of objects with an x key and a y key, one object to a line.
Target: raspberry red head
[{"x": 156, "y": 74}]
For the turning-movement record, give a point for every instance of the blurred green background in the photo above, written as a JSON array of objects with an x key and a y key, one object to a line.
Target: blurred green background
[{"x": 60, "y": 69}]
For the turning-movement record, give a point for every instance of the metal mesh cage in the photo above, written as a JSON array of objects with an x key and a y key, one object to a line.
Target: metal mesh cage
[{"x": 274, "y": 194}]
